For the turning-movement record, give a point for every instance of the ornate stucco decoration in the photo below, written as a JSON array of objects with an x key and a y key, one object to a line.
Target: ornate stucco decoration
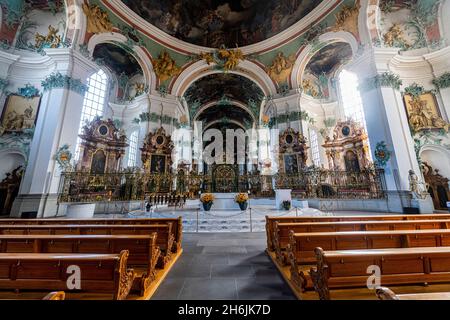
[
  {"x": 382, "y": 154},
  {"x": 57, "y": 80},
  {"x": 51, "y": 40},
  {"x": 281, "y": 67},
  {"x": 309, "y": 88},
  {"x": 97, "y": 19},
  {"x": 386, "y": 79},
  {"x": 63, "y": 157},
  {"x": 225, "y": 59},
  {"x": 423, "y": 116},
  {"x": 165, "y": 67},
  {"x": 443, "y": 81},
  {"x": 395, "y": 37},
  {"x": 347, "y": 19}
]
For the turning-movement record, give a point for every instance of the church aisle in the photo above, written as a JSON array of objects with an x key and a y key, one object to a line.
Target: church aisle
[{"x": 216, "y": 266}]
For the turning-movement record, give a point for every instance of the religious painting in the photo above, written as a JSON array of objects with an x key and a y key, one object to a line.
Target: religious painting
[
  {"x": 351, "y": 162},
  {"x": 158, "y": 164},
  {"x": 98, "y": 162},
  {"x": 290, "y": 163},
  {"x": 423, "y": 112},
  {"x": 20, "y": 113}
]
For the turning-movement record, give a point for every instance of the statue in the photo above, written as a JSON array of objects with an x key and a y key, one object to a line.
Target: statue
[
  {"x": 395, "y": 35},
  {"x": 224, "y": 58},
  {"x": 281, "y": 67},
  {"x": 14, "y": 121},
  {"x": 347, "y": 19},
  {"x": 165, "y": 67},
  {"x": 308, "y": 88},
  {"x": 415, "y": 186},
  {"x": 52, "y": 40},
  {"x": 97, "y": 19}
]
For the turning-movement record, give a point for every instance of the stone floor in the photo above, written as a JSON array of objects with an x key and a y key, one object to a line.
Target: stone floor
[{"x": 224, "y": 266}]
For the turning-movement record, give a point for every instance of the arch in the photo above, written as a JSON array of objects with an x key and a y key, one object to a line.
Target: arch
[
  {"x": 437, "y": 157},
  {"x": 233, "y": 103},
  {"x": 76, "y": 21},
  {"x": 200, "y": 69},
  {"x": 142, "y": 55},
  {"x": 304, "y": 55},
  {"x": 218, "y": 121},
  {"x": 11, "y": 159},
  {"x": 443, "y": 18}
]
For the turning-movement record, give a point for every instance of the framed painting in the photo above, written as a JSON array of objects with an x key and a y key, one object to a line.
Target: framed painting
[
  {"x": 158, "y": 164},
  {"x": 290, "y": 164},
  {"x": 423, "y": 112},
  {"x": 20, "y": 113}
]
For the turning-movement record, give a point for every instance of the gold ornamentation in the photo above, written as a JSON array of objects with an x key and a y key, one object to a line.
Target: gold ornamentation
[
  {"x": 395, "y": 35},
  {"x": 423, "y": 113},
  {"x": 226, "y": 59},
  {"x": 52, "y": 39},
  {"x": 165, "y": 67},
  {"x": 126, "y": 277},
  {"x": 347, "y": 19},
  {"x": 140, "y": 88},
  {"x": 97, "y": 19},
  {"x": 309, "y": 88},
  {"x": 281, "y": 67}
]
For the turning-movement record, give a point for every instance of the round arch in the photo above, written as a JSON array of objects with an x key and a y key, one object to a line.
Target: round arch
[
  {"x": 306, "y": 54},
  {"x": 232, "y": 102},
  {"x": 11, "y": 158},
  {"x": 143, "y": 57},
  {"x": 201, "y": 69},
  {"x": 237, "y": 123},
  {"x": 437, "y": 157}
]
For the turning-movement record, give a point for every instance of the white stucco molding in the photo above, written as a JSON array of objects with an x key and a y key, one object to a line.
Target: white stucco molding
[
  {"x": 233, "y": 102},
  {"x": 439, "y": 61}
]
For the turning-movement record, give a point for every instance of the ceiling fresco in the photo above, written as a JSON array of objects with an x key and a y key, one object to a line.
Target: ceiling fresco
[
  {"x": 224, "y": 113},
  {"x": 327, "y": 59},
  {"x": 213, "y": 23},
  {"x": 117, "y": 59},
  {"x": 220, "y": 85}
]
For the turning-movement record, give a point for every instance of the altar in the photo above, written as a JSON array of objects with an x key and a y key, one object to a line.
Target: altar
[{"x": 225, "y": 201}]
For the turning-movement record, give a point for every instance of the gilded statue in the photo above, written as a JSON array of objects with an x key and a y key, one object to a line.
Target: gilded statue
[
  {"x": 225, "y": 58},
  {"x": 281, "y": 67},
  {"x": 395, "y": 35},
  {"x": 309, "y": 88},
  {"x": 97, "y": 19},
  {"x": 347, "y": 19},
  {"x": 140, "y": 88},
  {"x": 165, "y": 67},
  {"x": 52, "y": 39},
  {"x": 422, "y": 117}
]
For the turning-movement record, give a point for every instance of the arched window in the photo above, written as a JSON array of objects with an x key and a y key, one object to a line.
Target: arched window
[
  {"x": 314, "y": 147},
  {"x": 94, "y": 102},
  {"x": 133, "y": 148},
  {"x": 351, "y": 98}
]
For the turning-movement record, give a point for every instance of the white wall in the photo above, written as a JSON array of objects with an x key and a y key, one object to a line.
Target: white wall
[{"x": 438, "y": 159}]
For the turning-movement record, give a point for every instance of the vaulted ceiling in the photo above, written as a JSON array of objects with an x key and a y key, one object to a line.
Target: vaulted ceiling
[
  {"x": 117, "y": 59},
  {"x": 213, "y": 23}
]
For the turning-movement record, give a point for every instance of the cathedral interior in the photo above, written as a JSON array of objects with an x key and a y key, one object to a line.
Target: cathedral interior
[{"x": 114, "y": 108}]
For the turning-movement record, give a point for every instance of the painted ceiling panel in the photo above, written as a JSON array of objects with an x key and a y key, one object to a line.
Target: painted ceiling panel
[{"x": 213, "y": 23}]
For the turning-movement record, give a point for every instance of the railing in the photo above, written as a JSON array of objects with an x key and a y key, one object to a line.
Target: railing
[{"x": 138, "y": 186}]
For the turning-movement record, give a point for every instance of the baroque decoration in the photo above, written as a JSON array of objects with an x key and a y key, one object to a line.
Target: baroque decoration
[
  {"x": 395, "y": 37},
  {"x": 386, "y": 79},
  {"x": 57, "y": 80},
  {"x": 347, "y": 19},
  {"x": 156, "y": 153},
  {"x": 281, "y": 67},
  {"x": 225, "y": 59},
  {"x": 348, "y": 148},
  {"x": 51, "y": 40},
  {"x": 293, "y": 152},
  {"x": 102, "y": 147},
  {"x": 165, "y": 67},
  {"x": 97, "y": 19},
  {"x": 382, "y": 154},
  {"x": 63, "y": 157}
]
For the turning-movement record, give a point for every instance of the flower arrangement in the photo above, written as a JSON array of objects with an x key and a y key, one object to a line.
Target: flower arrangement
[
  {"x": 286, "y": 205},
  {"x": 207, "y": 198},
  {"x": 241, "y": 198}
]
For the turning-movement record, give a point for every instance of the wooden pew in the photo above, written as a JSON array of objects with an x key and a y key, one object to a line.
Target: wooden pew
[
  {"x": 300, "y": 250},
  {"x": 164, "y": 232},
  {"x": 99, "y": 273},
  {"x": 57, "y": 295},
  {"x": 384, "y": 293},
  {"x": 177, "y": 224},
  {"x": 143, "y": 252},
  {"x": 348, "y": 269},
  {"x": 270, "y": 221},
  {"x": 281, "y": 230}
]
